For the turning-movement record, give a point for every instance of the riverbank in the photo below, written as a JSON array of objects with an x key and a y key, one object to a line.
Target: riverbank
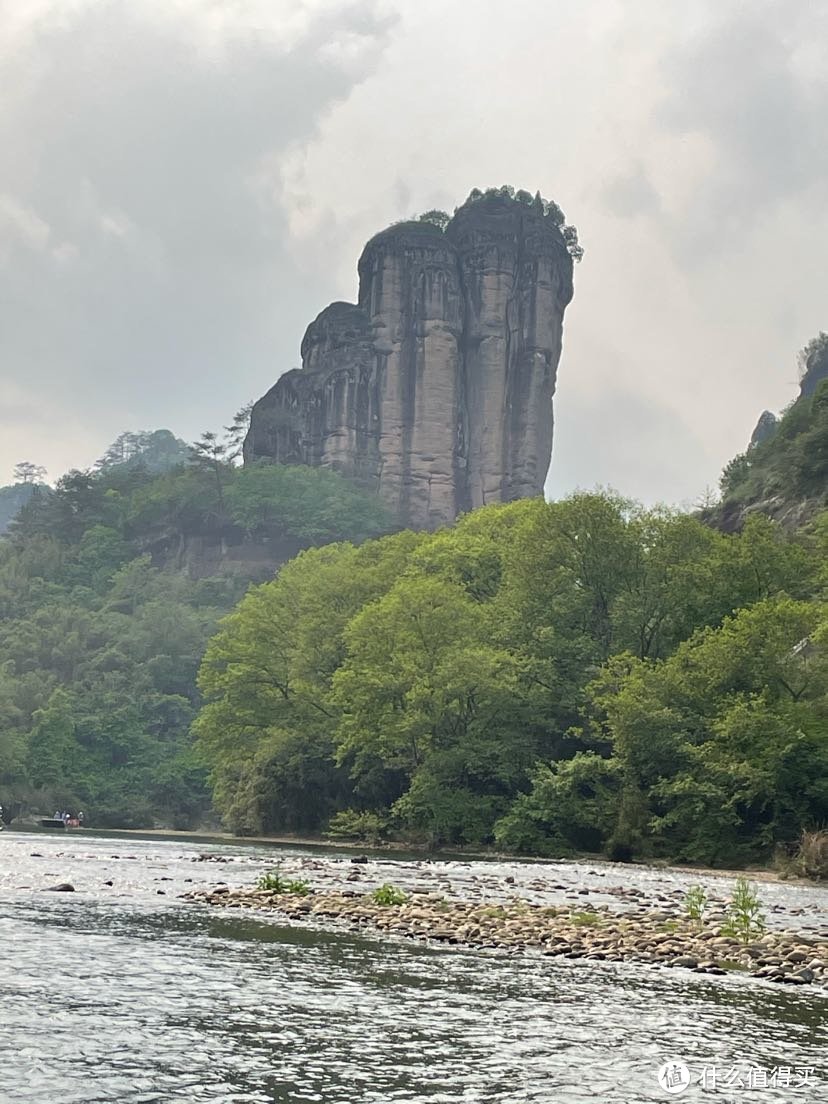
[
  {"x": 653, "y": 934},
  {"x": 393, "y": 848}
]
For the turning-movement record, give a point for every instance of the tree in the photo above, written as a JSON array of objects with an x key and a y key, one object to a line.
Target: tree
[
  {"x": 573, "y": 246},
  {"x": 124, "y": 448},
  {"x": 153, "y": 451},
  {"x": 726, "y": 737},
  {"x": 573, "y": 804},
  {"x": 209, "y": 453},
  {"x": 422, "y": 693},
  {"x": 27, "y": 472},
  {"x": 735, "y": 472},
  {"x": 441, "y": 219},
  {"x": 52, "y": 749},
  {"x": 266, "y": 679},
  {"x": 546, "y": 208},
  {"x": 311, "y": 505},
  {"x": 237, "y": 430},
  {"x": 580, "y": 674}
]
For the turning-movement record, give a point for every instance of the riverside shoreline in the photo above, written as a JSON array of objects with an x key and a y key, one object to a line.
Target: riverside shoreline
[
  {"x": 756, "y": 874},
  {"x": 655, "y": 935}
]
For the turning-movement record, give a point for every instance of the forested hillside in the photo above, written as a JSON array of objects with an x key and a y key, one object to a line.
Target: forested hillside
[
  {"x": 584, "y": 674},
  {"x": 547, "y": 678},
  {"x": 784, "y": 472},
  {"x": 28, "y": 478},
  {"x": 12, "y": 499},
  {"x": 102, "y": 628}
]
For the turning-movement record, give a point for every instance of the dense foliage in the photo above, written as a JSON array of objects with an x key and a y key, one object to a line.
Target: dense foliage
[
  {"x": 544, "y": 207},
  {"x": 12, "y": 499},
  {"x": 107, "y": 600},
  {"x": 154, "y": 451},
  {"x": 788, "y": 466},
  {"x": 582, "y": 674}
]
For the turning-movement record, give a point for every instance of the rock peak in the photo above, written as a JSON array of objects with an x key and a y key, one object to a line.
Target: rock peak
[{"x": 435, "y": 388}]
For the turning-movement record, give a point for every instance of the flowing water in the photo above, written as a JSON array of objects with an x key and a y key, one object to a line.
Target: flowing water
[{"x": 121, "y": 991}]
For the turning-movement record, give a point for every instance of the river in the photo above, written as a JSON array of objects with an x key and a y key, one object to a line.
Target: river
[{"x": 121, "y": 991}]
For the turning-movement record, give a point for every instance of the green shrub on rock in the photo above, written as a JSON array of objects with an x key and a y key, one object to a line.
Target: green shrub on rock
[
  {"x": 695, "y": 902},
  {"x": 274, "y": 882},
  {"x": 745, "y": 918},
  {"x": 388, "y": 895}
]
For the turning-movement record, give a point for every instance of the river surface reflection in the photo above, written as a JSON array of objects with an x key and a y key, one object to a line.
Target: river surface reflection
[{"x": 123, "y": 993}]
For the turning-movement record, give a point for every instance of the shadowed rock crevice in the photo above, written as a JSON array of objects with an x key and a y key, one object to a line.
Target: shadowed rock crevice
[{"x": 436, "y": 389}]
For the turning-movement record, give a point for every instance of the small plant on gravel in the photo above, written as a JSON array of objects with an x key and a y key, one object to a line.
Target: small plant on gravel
[
  {"x": 585, "y": 919},
  {"x": 388, "y": 895},
  {"x": 298, "y": 887},
  {"x": 745, "y": 918},
  {"x": 695, "y": 902},
  {"x": 731, "y": 964},
  {"x": 273, "y": 882}
]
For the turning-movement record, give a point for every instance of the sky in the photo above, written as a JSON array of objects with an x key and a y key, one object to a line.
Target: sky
[{"x": 185, "y": 184}]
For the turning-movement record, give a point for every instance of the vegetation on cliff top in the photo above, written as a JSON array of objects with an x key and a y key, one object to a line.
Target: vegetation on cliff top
[{"x": 544, "y": 207}]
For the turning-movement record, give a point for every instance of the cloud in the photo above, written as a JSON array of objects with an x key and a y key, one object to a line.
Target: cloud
[
  {"x": 635, "y": 444},
  {"x": 144, "y": 272},
  {"x": 746, "y": 91},
  {"x": 20, "y": 226},
  {"x": 632, "y": 194},
  {"x": 749, "y": 84},
  {"x": 187, "y": 183}
]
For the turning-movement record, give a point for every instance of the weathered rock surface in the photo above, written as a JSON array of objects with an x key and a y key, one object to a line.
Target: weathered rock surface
[
  {"x": 815, "y": 368},
  {"x": 765, "y": 428},
  {"x": 436, "y": 388}
]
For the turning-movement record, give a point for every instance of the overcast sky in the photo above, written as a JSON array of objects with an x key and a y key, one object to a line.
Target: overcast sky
[{"x": 184, "y": 184}]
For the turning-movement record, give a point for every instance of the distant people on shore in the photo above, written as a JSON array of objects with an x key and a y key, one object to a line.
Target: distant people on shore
[{"x": 69, "y": 819}]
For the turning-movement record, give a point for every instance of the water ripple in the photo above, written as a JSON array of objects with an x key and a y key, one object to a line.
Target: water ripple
[{"x": 120, "y": 994}]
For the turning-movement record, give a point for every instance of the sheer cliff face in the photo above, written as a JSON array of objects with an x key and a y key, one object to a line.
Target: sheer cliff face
[
  {"x": 517, "y": 280},
  {"x": 409, "y": 289},
  {"x": 437, "y": 388}
]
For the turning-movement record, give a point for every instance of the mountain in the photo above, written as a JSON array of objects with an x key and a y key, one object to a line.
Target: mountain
[
  {"x": 435, "y": 388},
  {"x": 784, "y": 471}
]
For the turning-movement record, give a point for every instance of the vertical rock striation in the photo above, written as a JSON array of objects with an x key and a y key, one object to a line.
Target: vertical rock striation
[
  {"x": 517, "y": 280},
  {"x": 436, "y": 389},
  {"x": 409, "y": 290}
]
